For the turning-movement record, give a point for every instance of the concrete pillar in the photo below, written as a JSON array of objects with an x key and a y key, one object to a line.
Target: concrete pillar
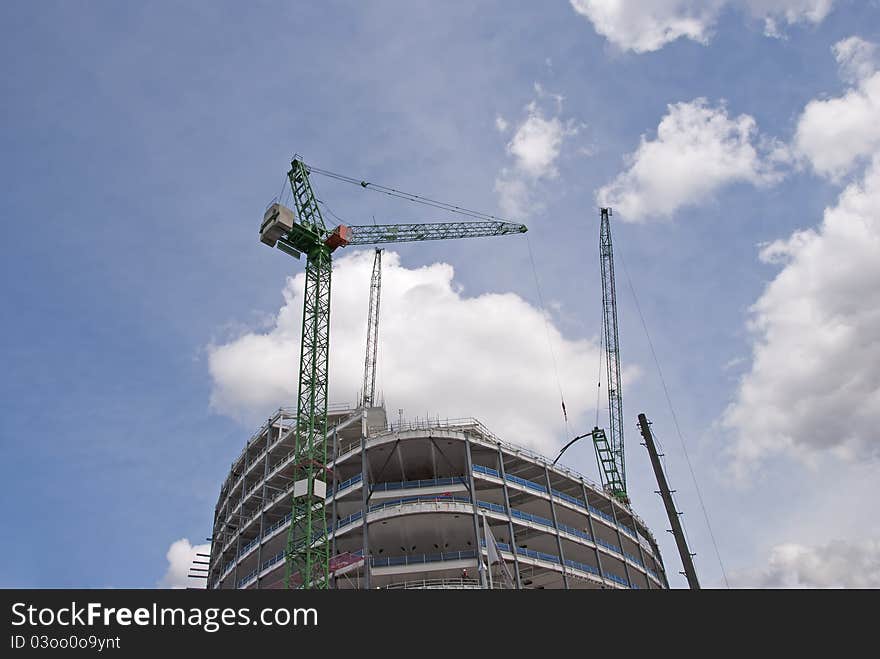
[
  {"x": 509, "y": 516},
  {"x": 476, "y": 515},
  {"x": 556, "y": 527},
  {"x": 365, "y": 493},
  {"x": 620, "y": 542},
  {"x": 592, "y": 531},
  {"x": 265, "y": 492}
]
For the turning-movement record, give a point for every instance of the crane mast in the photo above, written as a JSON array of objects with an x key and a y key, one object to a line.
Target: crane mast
[
  {"x": 609, "y": 448},
  {"x": 308, "y": 551},
  {"x": 369, "y": 390}
]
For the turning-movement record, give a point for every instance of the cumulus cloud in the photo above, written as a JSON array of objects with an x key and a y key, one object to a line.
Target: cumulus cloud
[
  {"x": 534, "y": 148},
  {"x": 181, "y": 555},
  {"x": 836, "y": 134},
  {"x": 648, "y": 25},
  {"x": 535, "y": 145},
  {"x": 514, "y": 195},
  {"x": 441, "y": 353},
  {"x": 814, "y": 382},
  {"x": 773, "y": 12},
  {"x": 838, "y": 564},
  {"x": 698, "y": 150},
  {"x": 856, "y": 57}
]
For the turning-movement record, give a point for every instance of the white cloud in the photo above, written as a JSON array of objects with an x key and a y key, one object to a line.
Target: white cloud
[
  {"x": 643, "y": 26},
  {"x": 536, "y": 144},
  {"x": 648, "y": 25},
  {"x": 535, "y": 148},
  {"x": 837, "y": 134},
  {"x": 501, "y": 124},
  {"x": 838, "y": 564},
  {"x": 698, "y": 150},
  {"x": 789, "y": 11},
  {"x": 181, "y": 555},
  {"x": 514, "y": 195},
  {"x": 440, "y": 352},
  {"x": 856, "y": 57},
  {"x": 814, "y": 382}
]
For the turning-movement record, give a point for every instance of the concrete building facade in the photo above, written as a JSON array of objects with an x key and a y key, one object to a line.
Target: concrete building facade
[{"x": 408, "y": 505}]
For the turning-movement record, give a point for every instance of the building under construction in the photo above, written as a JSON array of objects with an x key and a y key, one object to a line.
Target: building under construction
[
  {"x": 338, "y": 498},
  {"x": 406, "y": 506}
]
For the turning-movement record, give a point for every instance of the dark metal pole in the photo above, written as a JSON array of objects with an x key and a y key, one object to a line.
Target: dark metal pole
[{"x": 677, "y": 531}]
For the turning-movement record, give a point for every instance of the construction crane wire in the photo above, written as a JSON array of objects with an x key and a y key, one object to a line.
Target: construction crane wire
[
  {"x": 675, "y": 420},
  {"x": 547, "y": 330},
  {"x": 284, "y": 183},
  {"x": 662, "y": 456},
  {"x": 418, "y": 199},
  {"x": 323, "y": 203},
  {"x": 599, "y": 379}
]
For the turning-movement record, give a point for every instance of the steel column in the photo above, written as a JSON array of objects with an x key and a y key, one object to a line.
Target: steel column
[
  {"x": 365, "y": 493},
  {"x": 476, "y": 515},
  {"x": 509, "y": 518},
  {"x": 620, "y": 543},
  {"x": 556, "y": 528},
  {"x": 593, "y": 532}
]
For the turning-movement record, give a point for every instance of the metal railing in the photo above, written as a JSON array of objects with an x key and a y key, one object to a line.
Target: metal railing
[
  {"x": 609, "y": 545},
  {"x": 419, "y": 559},
  {"x": 425, "y": 482},
  {"x": 488, "y": 471},
  {"x": 426, "y": 498},
  {"x": 583, "y": 567},
  {"x": 494, "y": 507},
  {"x": 436, "y": 584}
]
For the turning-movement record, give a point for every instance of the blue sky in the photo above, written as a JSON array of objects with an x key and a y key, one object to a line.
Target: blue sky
[{"x": 140, "y": 144}]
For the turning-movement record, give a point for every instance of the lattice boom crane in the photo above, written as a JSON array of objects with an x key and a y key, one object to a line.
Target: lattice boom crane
[
  {"x": 369, "y": 390},
  {"x": 609, "y": 449},
  {"x": 307, "y": 554}
]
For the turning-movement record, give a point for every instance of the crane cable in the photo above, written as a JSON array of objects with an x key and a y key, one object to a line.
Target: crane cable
[
  {"x": 549, "y": 341},
  {"x": 674, "y": 419},
  {"x": 417, "y": 199},
  {"x": 662, "y": 457},
  {"x": 599, "y": 378}
]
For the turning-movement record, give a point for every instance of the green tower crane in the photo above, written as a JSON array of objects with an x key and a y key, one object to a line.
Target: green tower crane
[
  {"x": 609, "y": 448},
  {"x": 308, "y": 552}
]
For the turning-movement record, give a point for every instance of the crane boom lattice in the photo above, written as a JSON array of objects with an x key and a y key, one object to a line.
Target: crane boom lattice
[
  {"x": 609, "y": 450},
  {"x": 369, "y": 395}
]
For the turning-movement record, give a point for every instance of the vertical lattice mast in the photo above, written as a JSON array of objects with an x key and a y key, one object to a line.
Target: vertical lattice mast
[
  {"x": 308, "y": 552},
  {"x": 612, "y": 349},
  {"x": 369, "y": 390}
]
